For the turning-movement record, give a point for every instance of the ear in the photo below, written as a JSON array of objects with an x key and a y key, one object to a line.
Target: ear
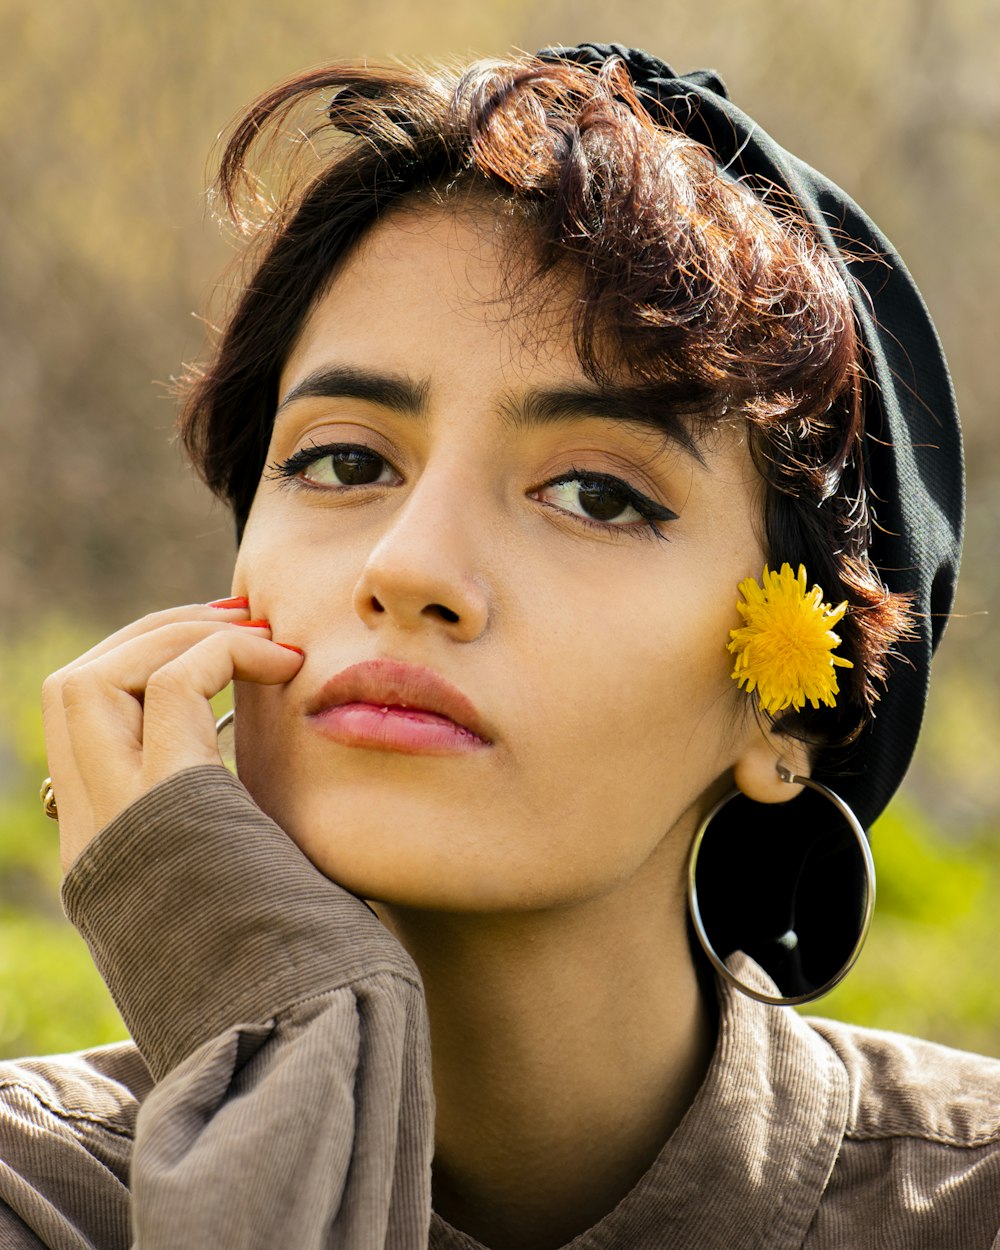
[{"x": 755, "y": 771}]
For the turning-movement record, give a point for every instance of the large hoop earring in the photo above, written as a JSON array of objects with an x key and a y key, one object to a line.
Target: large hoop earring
[{"x": 783, "y": 947}]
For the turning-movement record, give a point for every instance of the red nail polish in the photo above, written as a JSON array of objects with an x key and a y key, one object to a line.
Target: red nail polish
[
  {"x": 238, "y": 601},
  {"x": 289, "y": 647},
  {"x": 254, "y": 624}
]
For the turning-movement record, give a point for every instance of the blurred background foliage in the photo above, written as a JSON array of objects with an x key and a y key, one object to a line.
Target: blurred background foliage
[{"x": 107, "y": 253}]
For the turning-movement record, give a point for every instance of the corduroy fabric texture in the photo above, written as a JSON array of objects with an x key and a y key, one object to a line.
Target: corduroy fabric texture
[{"x": 293, "y": 1104}]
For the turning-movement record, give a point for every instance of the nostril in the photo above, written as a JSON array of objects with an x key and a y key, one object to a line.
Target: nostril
[
  {"x": 446, "y": 614},
  {"x": 376, "y": 606}
]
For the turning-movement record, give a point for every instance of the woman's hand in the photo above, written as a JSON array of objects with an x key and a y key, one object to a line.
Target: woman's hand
[{"x": 135, "y": 709}]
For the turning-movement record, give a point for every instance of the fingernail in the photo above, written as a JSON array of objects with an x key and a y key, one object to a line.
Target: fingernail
[
  {"x": 254, "y": 624},
  {"x": 289, "y": 647},
  {"x": 237, "y": 601}
]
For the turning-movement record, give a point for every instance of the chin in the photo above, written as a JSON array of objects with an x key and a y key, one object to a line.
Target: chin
[{"x": 423, "y": 847}]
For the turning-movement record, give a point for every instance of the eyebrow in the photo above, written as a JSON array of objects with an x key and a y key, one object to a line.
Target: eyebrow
[
  {"x": 631, "y": 405},
  {"x": 636, "y": 406},
  {"x": 389, "y": 390}
]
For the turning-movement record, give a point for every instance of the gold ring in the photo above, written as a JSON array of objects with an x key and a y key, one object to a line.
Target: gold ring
[{"x": 48, "y": 797}]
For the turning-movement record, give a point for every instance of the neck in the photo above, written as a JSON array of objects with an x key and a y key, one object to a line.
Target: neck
[{"x": 567, "y": 1046}]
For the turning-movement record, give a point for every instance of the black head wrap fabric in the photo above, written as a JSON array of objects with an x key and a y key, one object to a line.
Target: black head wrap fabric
[{"x": 764, "y": 878}]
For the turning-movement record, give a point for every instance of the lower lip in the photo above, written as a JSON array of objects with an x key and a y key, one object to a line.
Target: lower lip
[{"x": 406, "y": 730}]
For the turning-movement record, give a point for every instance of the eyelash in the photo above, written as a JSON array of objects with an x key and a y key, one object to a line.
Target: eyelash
[
  {"x": 291, "y": 470},
  {"x": 653, "y": 514}
]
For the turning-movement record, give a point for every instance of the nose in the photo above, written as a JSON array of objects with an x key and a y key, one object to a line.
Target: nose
[{"x": 424, "y": 571}]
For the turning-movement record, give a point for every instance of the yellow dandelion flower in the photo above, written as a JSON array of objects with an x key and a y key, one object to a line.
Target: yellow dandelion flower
[{"x": 784, "y": 649}]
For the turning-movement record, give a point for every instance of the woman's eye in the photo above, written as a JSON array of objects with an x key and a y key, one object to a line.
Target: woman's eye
[
  {"x": 599, "y": 500},
  {"x": 605, "y": 500},
  {"x": 342, "y": 464},
  {"x": 349, "y": 466}
]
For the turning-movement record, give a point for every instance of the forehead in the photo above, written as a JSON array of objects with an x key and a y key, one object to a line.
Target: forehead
[
  {"x": 450, "y": 284},
  {"x": 443, "y": 307}
]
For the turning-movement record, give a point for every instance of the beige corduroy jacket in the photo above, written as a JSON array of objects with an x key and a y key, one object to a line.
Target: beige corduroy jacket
[{"x": 277, "y": 1094}]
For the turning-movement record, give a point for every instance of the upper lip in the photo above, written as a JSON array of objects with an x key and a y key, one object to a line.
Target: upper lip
[{"x": 392, "y": 683}]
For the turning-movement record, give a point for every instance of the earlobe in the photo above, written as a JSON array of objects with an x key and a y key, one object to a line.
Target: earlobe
[{"x": 755, "y": 772}]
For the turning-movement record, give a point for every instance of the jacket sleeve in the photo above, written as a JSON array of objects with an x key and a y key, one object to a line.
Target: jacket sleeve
[{"x": 284, "y": 1028}]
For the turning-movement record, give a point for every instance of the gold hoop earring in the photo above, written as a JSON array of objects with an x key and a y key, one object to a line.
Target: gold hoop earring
[{"x": 779, "y": 950}]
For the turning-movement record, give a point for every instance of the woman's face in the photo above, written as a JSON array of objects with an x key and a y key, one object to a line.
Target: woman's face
[{"x": 449, "y": 508}]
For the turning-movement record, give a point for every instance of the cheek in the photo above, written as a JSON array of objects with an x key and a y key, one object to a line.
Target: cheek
[
  {"x": 644, "y": 722},
  {"x": 303, "y": 592},
  {"x": 627, "y": 724},
  {"x": 291, "y": 575}
]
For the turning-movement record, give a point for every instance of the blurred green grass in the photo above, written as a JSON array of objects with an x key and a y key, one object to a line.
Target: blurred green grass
[
  {"x": 929, "y": 967},
  {"x": 51, "y": 996}
]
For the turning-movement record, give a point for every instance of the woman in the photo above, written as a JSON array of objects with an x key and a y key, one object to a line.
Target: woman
[{"x": 532, "y": 371}]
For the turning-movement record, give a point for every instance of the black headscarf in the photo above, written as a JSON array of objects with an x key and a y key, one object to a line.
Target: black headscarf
[{"x": 914, "y": 470}]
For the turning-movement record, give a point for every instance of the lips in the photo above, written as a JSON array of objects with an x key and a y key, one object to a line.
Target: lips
[{"x": 389, "y": 705}]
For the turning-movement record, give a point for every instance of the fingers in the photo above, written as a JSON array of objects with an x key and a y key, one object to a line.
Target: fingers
[
  {"x": 177, "y": 696},
  {"x": 135, "y": 709},
  {"x": 71, "y": 795},
  {"x": 169, "y": 616},
  {"x": 56, "y": 736}
]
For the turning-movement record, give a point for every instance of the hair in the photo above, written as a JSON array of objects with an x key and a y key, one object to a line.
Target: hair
[{"x": 712, "y": 299}]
